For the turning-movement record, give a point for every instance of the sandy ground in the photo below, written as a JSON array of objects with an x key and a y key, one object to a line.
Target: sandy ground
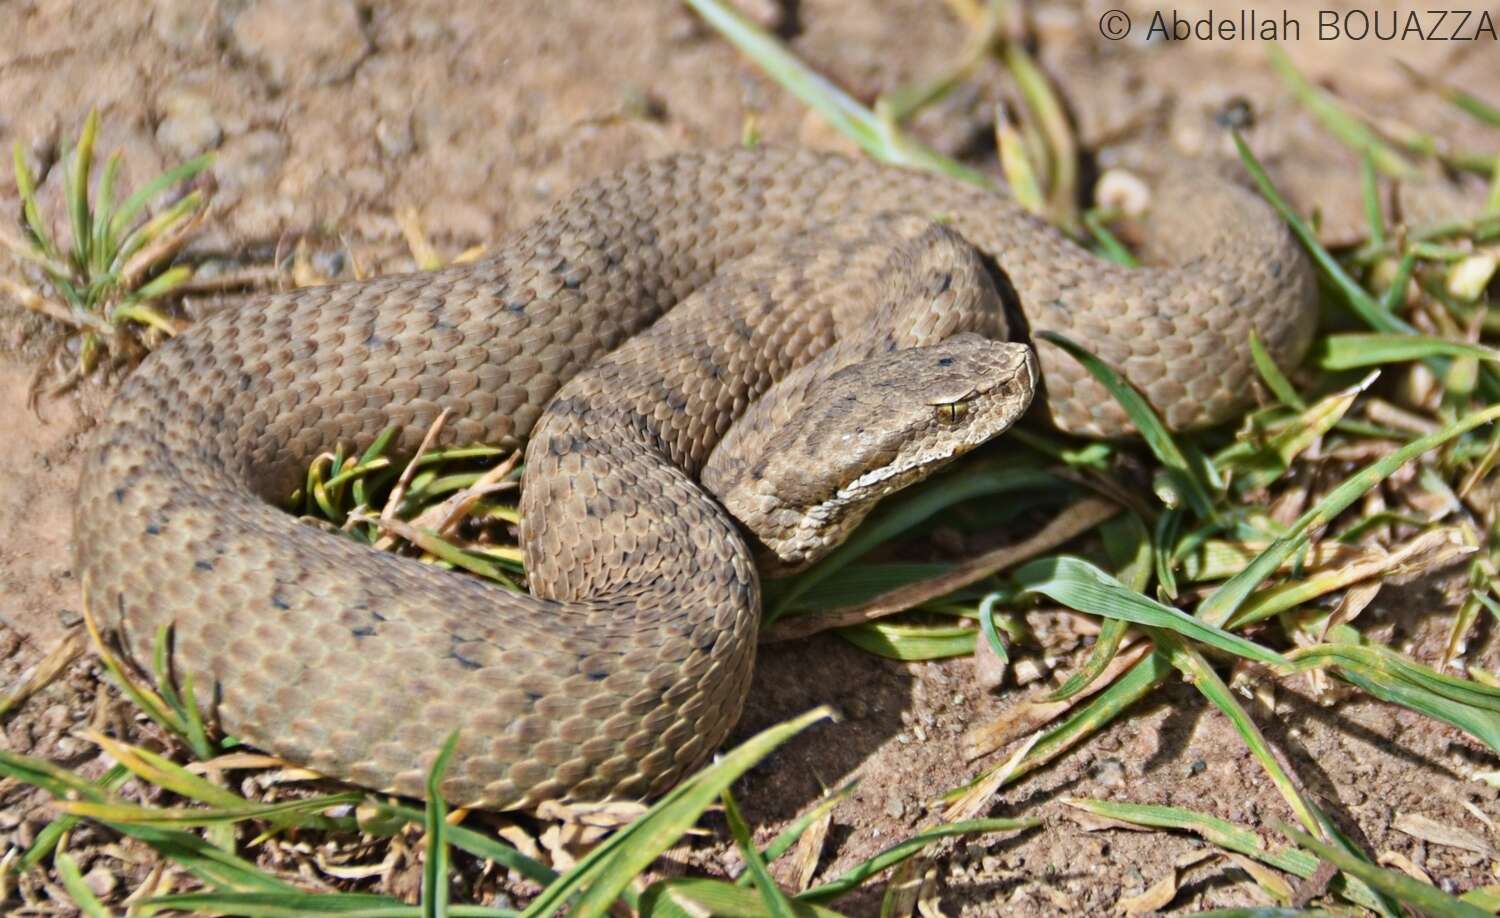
[{"x": 329, "y": 115}]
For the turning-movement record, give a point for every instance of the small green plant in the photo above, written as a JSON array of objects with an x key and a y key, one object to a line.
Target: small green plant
[{"x": 103, "y": 286}]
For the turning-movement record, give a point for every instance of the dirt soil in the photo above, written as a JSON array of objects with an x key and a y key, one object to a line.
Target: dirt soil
[{"x": 328, "y": 116}]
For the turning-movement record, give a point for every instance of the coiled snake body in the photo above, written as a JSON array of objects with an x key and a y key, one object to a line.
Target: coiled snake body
[{"x": 836, "y": 319}]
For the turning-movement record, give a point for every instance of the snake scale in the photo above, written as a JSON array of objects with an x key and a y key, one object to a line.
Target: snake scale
[{"x": 850, "y": 315}]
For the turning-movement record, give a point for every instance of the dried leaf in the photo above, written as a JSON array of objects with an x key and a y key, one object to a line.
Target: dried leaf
[
  {"x": 1430, "y": 830},
  {"x": 1154, "y": 899}
]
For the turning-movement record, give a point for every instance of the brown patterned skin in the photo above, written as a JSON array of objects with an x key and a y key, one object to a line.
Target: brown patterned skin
[{"x": 630, "y": 665}]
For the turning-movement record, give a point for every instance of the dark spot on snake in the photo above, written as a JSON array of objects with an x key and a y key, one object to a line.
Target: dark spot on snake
[
  {"x": 377, "y": 616},
  {"x": 944, "y": 284},
  {"x": 465, "y": 662},
  {"x": 945, "y": 361},
  {"x": 364, "y": 632},
  {"x": 119, "y": 495},
  {"x": 741, "y": 328},
  {"x": 374, "y": 340},
  {"x": 153, "y": 529},
  {"x": 279, "y": 603},
  {"x": 203, "y": 565},
  {"x": 533, "y": 697},
  {"x": 1274, "y": 268}
]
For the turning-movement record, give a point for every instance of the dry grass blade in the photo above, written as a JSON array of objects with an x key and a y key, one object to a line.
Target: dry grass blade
[
  {"x": 398, "y": 492},
  {"x": 62, "y": 654},
  {"x": 1032, "y": 715}
]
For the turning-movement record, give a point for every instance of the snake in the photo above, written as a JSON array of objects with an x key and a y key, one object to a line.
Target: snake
[{"x": 707, "y": 357}]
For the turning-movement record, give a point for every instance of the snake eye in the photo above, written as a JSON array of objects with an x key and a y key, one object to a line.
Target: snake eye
[{"x": 952, "y": 412}]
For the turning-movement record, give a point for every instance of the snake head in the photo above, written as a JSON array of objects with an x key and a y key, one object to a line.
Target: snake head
[{"x": 870, "y": 430}]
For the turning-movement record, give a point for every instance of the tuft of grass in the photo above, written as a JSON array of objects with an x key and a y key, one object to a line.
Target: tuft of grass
[{"x": 105, "y": 285}]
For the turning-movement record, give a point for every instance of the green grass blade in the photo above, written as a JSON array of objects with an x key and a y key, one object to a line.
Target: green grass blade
[
  {"x": 88, "y": 904},
  {"x": 1108, "y": 244},
  {"x": 1356, "y": 350},
  {"x": 1339, "y": 122},
  {"x": 1395, "y": 294},
  {"x": 1226, "y": 835},
  {"x": 125, "y": 216},
  {"x": 476, "y": 843},
  {"x": 1047, "y": 110},
  {"x": 1106, "y": 645},
  {"x": 194, "y": 817},
  {"x": 604, "y": 873},
  {"x": 1127, "y": 541},
  {"x": 1020, "y": 173},
  {"x": 1271, "y": 374},
  {"x": 1370, "y": 192},
  {"x": 1196, "y": 669},
  {"x": 787, "y": 837},
  {"x": 987, "y": 627},
  {"x": 775, "y": 899},
  {"x": 47, "y": 839},
  {"x": 435, "y": 823},
  {"x": 26, "y": 191},
  {"x": 1187, "y": 477},
  {"x": 906, "y": 510},
  {"x": 1217, "y": 607},
  {"x": 901, "y": 641},
  {"x": 297, "y": 903},
  {"x": 696, "y": 897},
  {"x": 159, "y": 286},
  {"x": 1365, "y": 306},
  {"x": 104, "y": 202},
  {"x": 76, "y": 189},
  {"x": 210, "y": 864},
  {"x": 1428, "y": 899},
  {"x": 1461, "y": 99},
  {"x": 890, "y": 857},
  {"x": 837, "y": 107},
  {"x": 1079, "y": 585}
]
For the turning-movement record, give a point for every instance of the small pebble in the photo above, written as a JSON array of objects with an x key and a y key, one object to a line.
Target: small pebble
[
  {"x": 1029, "y": 670},
  {"x": 989, "y": 667},
  {"x": 394, "y": 135}
]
